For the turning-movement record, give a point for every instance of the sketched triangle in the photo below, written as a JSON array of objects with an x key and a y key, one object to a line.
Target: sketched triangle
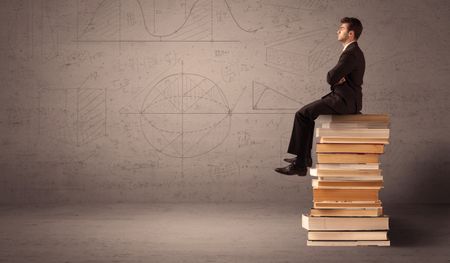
[{"x": 266, "y": 98}]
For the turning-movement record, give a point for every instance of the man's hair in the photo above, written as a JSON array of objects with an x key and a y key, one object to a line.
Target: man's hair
[{"x": 353, "y": 25}]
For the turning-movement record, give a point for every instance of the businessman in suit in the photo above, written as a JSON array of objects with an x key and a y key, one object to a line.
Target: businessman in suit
[{"x": 345, "y": 81}]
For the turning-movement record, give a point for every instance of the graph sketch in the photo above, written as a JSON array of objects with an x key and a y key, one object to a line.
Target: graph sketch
[
  {"x": 156, "y": 21},
  {"x": 304, "y": 53},
  {"x": 307, "y": 5}
]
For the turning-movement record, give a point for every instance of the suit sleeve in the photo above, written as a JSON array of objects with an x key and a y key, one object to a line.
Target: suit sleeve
[{"x": 344, "y": 66}]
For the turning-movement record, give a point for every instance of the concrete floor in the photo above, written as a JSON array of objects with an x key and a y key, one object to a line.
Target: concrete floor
[{"x": 205, "y": 233}]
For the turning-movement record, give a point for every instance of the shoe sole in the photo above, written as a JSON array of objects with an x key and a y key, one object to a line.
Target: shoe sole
[
  {"x": 291, "y": 161},
  {"x": 292, "y": 174}
]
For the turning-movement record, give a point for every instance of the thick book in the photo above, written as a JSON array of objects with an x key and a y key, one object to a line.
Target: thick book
[
  {"x": 345, "y": 223},
  {"x": 352, "y": 133},
  {"x": 349, "y": 148},
  {"x": 347, "y": 205},
  {"x": 348, "y": 158},
  {"x": 348, "y": 184},
  {"x": 353, "y": 243},
  {"x": 347, "y": 235},
  {"x": 334, "y": 139},
  {"x": 322, "y": 195},
  {"x": 348, "y": 166},
  {"x": 354, "y": 125},
  {"x": 352, "y": 202},
  {"x": 353, "y": 178},
  {"x": 344, "y": 172},
  {"x": 346, "y": 212},
  {"x": 350, "y": 118}
]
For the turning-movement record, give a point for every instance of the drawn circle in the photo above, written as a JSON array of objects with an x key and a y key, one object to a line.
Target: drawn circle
[{"x": 185, "y": 115}]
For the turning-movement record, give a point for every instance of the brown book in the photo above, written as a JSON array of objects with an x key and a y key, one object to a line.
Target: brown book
[
  {"x": 347, "y": 235},
  {"x": 320, "y": 184},
  {"x": 321, "y": 195},
  {"x": 346, "y": 212},
  {"x": 348, "y": 166},
  {"x": 384, "y": 118},
  {"x": 355, "y": 179},
  {"x": 352, "y": 133},
  {"x": 349, "y": 148},
  {"x": 348, "y": 158},
  {"x": 344, "y": 172},
  {"x": 348, "y": 243},
  {"x": 354, "y": 125},
  {"x": 348, "y": 205},
  {"x": 333, "y": 139},
  {"x": 345, "y": 223}
]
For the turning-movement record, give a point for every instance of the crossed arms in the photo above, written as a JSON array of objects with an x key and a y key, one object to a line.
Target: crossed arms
[{"x": 344, "y": 66}]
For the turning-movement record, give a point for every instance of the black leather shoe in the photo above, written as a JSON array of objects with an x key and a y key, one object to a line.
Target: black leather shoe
[
  {"x": 292, "y": 160},
  {"x": 292, "y": 169}
]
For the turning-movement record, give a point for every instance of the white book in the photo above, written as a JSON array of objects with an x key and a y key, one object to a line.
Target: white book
[
  {"x": 382, "y": 243},
  {"x": 345, "y": 223}
]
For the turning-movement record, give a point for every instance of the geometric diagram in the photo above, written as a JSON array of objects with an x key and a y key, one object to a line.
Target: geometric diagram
[
  {"x": 302, "y": 54},
  {"x": 32, "y": 34},
  {"x": 266, "y": 98},
  {"x": 183, "y": 115},
  {"x": 307, "y": 5},
  {"x": 73, "y": 116},
  {"x": 138, "y": 21}
]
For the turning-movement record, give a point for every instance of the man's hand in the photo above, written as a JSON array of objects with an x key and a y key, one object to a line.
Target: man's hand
[{"x": 341, "y": 81}]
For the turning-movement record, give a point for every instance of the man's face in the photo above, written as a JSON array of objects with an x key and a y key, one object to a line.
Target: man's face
[{"x": 343, "y": 32}]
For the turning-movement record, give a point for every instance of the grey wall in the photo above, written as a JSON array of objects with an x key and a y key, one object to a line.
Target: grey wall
[{"x": 182, "y": 100}]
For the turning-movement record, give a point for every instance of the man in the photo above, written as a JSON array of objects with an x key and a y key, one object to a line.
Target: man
[{"x": 345, "y": 97}]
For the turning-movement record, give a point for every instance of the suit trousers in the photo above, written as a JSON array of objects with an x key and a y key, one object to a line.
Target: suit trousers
[{"x": 303, "y": 130}]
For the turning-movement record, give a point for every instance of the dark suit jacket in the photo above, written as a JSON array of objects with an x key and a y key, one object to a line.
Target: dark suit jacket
[{"x": 351, "y": 65}]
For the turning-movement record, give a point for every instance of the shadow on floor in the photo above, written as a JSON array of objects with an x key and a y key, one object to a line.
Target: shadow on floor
[{"x": 419, "y": 225}]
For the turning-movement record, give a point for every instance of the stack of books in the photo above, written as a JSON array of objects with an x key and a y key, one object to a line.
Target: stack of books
[{"x": 347, "y": 179}]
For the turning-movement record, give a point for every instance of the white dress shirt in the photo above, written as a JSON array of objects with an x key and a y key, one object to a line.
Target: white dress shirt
[{"x": 345, "y": 46}]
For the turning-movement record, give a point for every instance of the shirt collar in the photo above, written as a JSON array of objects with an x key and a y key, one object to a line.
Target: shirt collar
[{"x": 346, "y": 45}]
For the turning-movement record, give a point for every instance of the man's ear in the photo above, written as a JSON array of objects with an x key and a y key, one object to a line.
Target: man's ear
[{"x": 351, "y": 33}]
